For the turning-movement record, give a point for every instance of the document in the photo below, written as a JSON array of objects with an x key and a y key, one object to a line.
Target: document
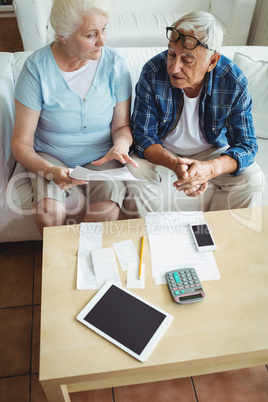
[
  {"x": 172, "y": 245},
  {"x": 90, "y": 239},
  {"x": 105, "y": 266},
  {"x": 96, "y": 265},
  {"x": 119, "y": 174},
  {"x": 126, "y": 252},
  {"x": 130, "y": 261},
  {"x": 133, "y": 279}
]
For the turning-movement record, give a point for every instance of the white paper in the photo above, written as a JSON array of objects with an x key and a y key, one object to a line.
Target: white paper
[
  {"x": 126, "y": 253},
  {"x": 119, "y": 174},
  {"x": 90, "y": 238},
  {"x": 133, "y": 279},
  {"x": 172, "y": 245},
  {"x": 105, "y": 266}
]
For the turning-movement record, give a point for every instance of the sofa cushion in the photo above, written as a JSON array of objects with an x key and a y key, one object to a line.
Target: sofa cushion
[
  {"x": 17, "y": 63},
  {"x": 256, "y": 73}
]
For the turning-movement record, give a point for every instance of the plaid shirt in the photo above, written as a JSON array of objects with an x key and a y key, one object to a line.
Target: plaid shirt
[{"x": 224, "y": 111}]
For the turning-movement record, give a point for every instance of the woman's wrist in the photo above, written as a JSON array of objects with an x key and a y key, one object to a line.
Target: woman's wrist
[{"x": 124, "y": 141}]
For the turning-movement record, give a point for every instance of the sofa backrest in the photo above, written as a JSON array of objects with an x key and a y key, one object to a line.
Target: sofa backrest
[{"x": 138, "y": 23}]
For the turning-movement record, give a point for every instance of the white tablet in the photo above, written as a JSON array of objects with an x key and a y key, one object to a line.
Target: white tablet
[{"x": 126, "y": 320}]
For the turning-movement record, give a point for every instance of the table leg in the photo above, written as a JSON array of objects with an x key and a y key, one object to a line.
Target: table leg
[{"x": 57, "y": 393}]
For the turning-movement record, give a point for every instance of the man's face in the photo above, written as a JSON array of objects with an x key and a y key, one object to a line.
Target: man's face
[{"x": 187, "y": 68}]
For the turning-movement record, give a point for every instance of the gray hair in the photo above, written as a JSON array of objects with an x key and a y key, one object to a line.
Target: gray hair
[
  {"x": 207, "y": 28},
  {"x": 66, "y": 15}
]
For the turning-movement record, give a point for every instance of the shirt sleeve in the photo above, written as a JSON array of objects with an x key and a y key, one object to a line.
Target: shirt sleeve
[
  {"x": 240, "y": 131},
  {"x": 123, "y": 84},
  {"x": 28, "y": 88},
  {"x": 145, "y": 119}
]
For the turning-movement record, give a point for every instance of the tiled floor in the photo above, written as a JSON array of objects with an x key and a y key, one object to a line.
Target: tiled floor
[{"x": 20, "y": 299}]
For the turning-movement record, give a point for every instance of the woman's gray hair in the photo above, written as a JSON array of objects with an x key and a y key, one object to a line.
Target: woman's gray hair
[
  {"x": 66, "y": 15},
  {"x": 207, "y": 28}
]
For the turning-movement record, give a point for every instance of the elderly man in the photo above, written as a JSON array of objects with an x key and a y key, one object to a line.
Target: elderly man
[{"x": 192, "y": 115}]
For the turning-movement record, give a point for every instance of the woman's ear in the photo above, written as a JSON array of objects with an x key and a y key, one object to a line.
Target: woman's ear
[
  {"x": 213, "y": 61},
  {"x": 62, "y": 39}
]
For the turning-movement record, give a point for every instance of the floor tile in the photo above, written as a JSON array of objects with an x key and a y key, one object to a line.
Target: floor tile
[
  {"x": 245, "y": 385},
  {"x": 37, "y": 393},
  {"x": 14, "y": 389},
  {"x": 179, "y": 390},
  {"x": 17, "y": 247},
  {"x": 99, "y": 395},
  {"x": 15, "y": 341},
  {"x": 16, "y": 276},
  {"x": 36, "y": 339}
]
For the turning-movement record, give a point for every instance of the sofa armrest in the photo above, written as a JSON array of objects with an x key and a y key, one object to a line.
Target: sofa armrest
[{"x": 7, "y": 161}]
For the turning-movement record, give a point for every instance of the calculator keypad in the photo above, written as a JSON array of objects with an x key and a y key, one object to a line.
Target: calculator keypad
[{"x": 185, "y": 286}]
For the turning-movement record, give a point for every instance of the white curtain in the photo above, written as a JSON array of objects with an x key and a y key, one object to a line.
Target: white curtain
[{"x": 258, "y": 34}]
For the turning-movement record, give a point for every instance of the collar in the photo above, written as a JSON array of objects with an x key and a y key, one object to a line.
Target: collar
[{"x": 208, "y": 82}]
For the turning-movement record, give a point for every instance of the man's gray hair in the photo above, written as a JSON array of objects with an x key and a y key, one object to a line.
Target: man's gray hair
[
  {"x": 66, "y": 15},
  {"x": 206, "y": 28}
]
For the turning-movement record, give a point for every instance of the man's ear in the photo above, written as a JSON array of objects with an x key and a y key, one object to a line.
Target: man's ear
[{"x": 213, "y": 61}]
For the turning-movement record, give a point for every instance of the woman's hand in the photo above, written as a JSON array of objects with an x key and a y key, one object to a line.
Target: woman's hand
[
  {"x": 60, "y": 176},
  {"x": 121, "y": 136},
  {"x": 119, "y": 152}
]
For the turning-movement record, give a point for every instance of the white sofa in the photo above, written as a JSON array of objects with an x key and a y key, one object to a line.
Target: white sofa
[{"x": 16, "y": 221}]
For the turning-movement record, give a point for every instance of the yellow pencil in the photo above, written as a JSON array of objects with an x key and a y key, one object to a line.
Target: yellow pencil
[{"x": 141, "y": 255}]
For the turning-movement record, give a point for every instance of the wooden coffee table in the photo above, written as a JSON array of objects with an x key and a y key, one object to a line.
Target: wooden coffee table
[{"x": 229, "y": 330}]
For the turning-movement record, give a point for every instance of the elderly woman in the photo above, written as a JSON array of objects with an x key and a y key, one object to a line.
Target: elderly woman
[{"x": 72, "y": 108}]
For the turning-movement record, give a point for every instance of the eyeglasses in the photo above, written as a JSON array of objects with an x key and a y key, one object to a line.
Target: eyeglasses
[{"x": 188, "y": 41}]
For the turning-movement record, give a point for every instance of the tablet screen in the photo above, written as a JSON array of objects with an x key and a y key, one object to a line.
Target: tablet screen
[{"x": 125, "y": 319}]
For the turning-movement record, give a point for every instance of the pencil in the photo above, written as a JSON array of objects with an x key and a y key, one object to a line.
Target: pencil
[{"x": 141, "y": 255}]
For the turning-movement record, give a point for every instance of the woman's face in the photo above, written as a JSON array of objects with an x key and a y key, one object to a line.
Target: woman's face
[{"x": 88, "y": 39}]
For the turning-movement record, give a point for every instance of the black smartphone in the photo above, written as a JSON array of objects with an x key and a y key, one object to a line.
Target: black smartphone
[{"x": 202, "y": 237}]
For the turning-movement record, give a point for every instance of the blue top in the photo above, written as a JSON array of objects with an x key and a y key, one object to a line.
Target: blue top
[
  {"x": 74, "y": 130},
  {"x": 224, "y": 112}
]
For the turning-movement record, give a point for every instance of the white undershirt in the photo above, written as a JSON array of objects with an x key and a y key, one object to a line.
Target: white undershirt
[
  {"x": 80, "y": 81},
  {"x": 186, "y": 138}
]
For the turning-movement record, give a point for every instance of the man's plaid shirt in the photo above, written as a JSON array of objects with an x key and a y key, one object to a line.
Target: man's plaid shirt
[{"x": 224, "y": 112}]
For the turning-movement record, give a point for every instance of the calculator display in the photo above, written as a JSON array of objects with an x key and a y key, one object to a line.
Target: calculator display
[{"x": 195, "y": 296}]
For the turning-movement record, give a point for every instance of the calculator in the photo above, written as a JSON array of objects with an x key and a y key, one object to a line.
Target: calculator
[{"x": 185, "y": 286}]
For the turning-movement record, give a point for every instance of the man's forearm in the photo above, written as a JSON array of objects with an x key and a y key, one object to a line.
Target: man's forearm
[
  {"x": 160, "y": 156},
  {"x": 223, "y": 164}
]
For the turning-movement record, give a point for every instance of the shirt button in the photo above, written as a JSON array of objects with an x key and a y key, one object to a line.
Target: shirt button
[
  {"x": 84, "y": 100},
  {"x": 85, "y": 126}
]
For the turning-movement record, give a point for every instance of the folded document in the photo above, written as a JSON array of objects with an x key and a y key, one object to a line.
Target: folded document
[{"x": 119, "y": 174}]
